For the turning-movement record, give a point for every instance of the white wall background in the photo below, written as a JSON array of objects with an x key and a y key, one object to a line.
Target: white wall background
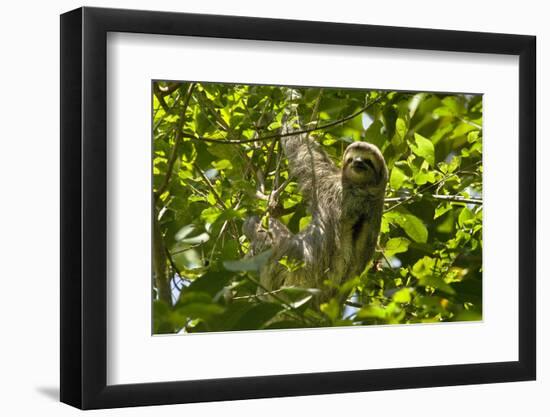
[{"x": 29, "y": 225}]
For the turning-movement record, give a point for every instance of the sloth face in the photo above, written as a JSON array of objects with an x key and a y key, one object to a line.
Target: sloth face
[{"x": 363, "y": 164}]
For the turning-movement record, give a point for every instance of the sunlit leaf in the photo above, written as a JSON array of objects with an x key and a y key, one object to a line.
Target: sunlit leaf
[
  {"x": 402, "y": 296},
  {"x": 397, "y": 178},
  {"x": 412, "y": 225},
  {"x": 396, "y": 245},
  {"x": 424, "y": 148},
  {"x": 222, "y": 164}
]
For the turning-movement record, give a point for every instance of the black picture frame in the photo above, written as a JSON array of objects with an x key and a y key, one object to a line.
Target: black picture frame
[{"x": 84, "y": 207}]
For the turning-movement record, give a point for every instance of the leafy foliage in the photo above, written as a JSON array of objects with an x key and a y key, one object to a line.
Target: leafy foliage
[{"x": 217, "y": 161}]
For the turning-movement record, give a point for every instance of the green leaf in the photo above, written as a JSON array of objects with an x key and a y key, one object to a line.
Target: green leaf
[
  {"x": 184, "y": 232},
  {"x": 304, "y": 222},
  {"x": 462, "y": 129},
  {"x": 426, "y": 272},
  {"x": 253, "y": 263},
  {"x": 258, "y": 316},
  {"x": 424, "y": 148},
  {"x": 230, "y": 153},
  {"x": 210, "y": 214},
  {"x": 450, "y": 167},
  {"x": 402, "y": 296},
  {"x": 162, "y": 318},
  {"x": 473, "y": 136},
  {"x": 438, "y": 283},
  {"x": 400, "y": 131},
  {"x": 302, "y": 301},
  {"x": 412, "y": 225},
  {"x": 415, "y": 228},
  {"x": 285, "y": 324},
  {"x": 186, "y": 259},
  {"x": 231, "y": 316},
  {"x": 442, "y": 112},
  {"x": 372, "y": 312},
  {"x": 210, "y": 283},
  {"x": 222, "y": 164},
  {"x": 424, "y": 175},
  {"x": 396, "y": 245},
  {"x": 331, "y": 309},
  {"x": 291, "y": 264},
  {"x": 465, "y": 217},
  {"x": 197, "y": 305},
  {"x": 442, "y": 209},
  {"x": 453, "y": 105},
  {"x": 374, "y": 134},
  {"x": 199, "y": 310},
  {"x": 195, "y": 240},
  {"x": 423, "y": 267},
  {"x": 397, "y": 178},
  {"x": 229, "y": 214}
]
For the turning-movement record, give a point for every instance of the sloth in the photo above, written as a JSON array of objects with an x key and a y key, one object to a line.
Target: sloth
[{"x": 346, "y": 207}]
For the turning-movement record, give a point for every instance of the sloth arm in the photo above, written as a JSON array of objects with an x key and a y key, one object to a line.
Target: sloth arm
[
  {"x": 275, "y": 235},
  {"x": 318, "y": 179},
  {"x": 315, "y": 173}
]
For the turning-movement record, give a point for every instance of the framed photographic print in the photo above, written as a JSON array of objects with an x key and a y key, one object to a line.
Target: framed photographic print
[{"x": 257, "y": 208}]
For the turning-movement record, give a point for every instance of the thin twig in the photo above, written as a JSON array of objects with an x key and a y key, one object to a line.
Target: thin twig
[
  {"x": 210, "y": 186},
  {"x": 279, "y": 299},
  {"x": 176, "y": 252},
  {"x": 222, "y": 230},
  {"x": 248, "y": 297},
  {"x": 387, "y": 260},
  {"x": 353, "y": 304},
  {"x": 219, "y": 200}
]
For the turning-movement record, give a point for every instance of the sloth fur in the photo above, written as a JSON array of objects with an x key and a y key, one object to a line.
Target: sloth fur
[{"x": 346, "y": 207}]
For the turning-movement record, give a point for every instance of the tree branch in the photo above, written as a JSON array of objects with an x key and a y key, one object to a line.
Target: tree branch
[
  {"x": 450, "y": 198},
  {"x": 174, "y": 154},
  {"x": 169, "y": 89},
  {"x": 160, "y": 98},
  {"x": 162, "y": 279},
  {"x": 457, "y": 199},
  {"x": 428, "y": 187},
  {"x": 282, "y": 135}
]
